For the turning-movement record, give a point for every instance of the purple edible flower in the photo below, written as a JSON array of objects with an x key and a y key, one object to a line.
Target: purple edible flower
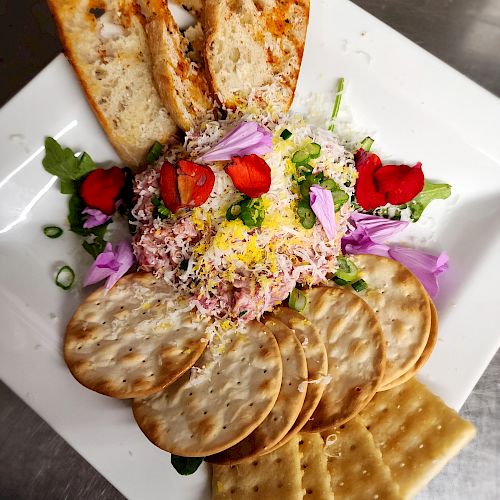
[
  {"x": 426, "y": 267},
  {"x": 111, "y": 264},
  {"x": 324, "y": 209},
  {"x": 94, "y": 218},
  {"x": 246, "y": 138},
  {"x": 369, "y": 236}
]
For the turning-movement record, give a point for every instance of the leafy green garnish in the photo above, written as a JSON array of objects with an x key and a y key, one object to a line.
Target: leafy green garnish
[
  {"x": 430, "y": 193},
  {"x": 417, "y": 206},
  {"x": 186, "y": 465},
  {"x": 64, "y": 164},
  {"x": 95, "y": 241}
]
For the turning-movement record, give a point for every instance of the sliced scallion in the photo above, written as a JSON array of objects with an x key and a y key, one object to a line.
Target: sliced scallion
[
  {"x": 286, "y": 134},
  {"x": 339, "y": 198},
  {"x": 366, "y": 144},
  {"x": 347, "y": 270},
  {"x": 300, "y": 157},
  {"x": 154, "y": 152},
  {"x": 65, "y": 278},
  {"x": 313, "y": 150},
  {"x": 339, "y": 281},
  {"x": 360, "y": 285},
  {"x": 52, "y": 231},
  {"x": 306, "y": 215},
  {"x": 297, "y": 300},
  {"x": 233, "y": 212},
  {"x": 336, "y": 105}
]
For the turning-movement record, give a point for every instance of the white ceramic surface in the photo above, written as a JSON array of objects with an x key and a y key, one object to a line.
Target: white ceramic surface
[{"x": 416, "y": 107}]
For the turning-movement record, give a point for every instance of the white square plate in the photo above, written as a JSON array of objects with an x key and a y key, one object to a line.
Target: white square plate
[{"x": 418, "y": 109}]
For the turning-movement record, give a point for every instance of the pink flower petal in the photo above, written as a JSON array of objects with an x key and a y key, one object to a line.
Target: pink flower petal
[
  {"x": 323, "y": 207},
  {"x": 94, "y": 218},
  {"x": 245, "y": 139},
  {"x": 426, "y": 267},
  {"x": 125, "y": 259},
  {"x": 376, "y": 228},
  {"x": 110, "y": 264}
]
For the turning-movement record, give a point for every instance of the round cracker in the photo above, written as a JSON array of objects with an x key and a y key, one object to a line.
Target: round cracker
[
  {"x": 134, "y": 339},
  {"x": 287, "y": 407},
  {"x": 317, "y": 365},
  {"x": 355, "y": 346},
  {"x": 402, "y": 307},
  {"x": 231, "y": 395},
  {"x": 429, "y": 347}
]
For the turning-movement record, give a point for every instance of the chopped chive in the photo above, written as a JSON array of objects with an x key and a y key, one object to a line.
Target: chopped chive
[
  {"x": 336, "y": 105},
  {"x": 65, "y": 278},
  {"x": 366, "y": 144},
  {"x": 242, "y": 313},
  {"x": 52, "y": 231},
  {"x": 360, "y": 285},
  {"x": 286, "y": 134},
  {"x": 154, "y": 152},
  {"x": 297, "y": 300}
]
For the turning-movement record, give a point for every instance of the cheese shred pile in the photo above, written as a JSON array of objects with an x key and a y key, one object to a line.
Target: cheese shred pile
[{"x": 230, "y": 271}]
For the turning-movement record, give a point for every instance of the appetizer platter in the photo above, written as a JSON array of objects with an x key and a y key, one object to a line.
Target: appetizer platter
[{"x": 250, "y": 286}]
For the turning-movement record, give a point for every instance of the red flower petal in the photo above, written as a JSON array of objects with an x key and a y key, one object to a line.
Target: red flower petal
[
  {"x": 366, "y": 190},
  {"x": 399, "y": 183},
  {"x": 101, "y": 188},
  {"x": 195, "y": 183},
  {"x": 251, "y": 175},
  {"x": 189, "y": 185},
  {"x": 168, "y": 187}
]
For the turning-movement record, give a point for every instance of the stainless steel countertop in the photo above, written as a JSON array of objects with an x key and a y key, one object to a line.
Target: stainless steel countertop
[{"x": 35, "y": 463}]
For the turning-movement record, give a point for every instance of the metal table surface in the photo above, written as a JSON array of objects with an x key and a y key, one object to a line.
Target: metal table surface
[{"x": 35, "y": 463}]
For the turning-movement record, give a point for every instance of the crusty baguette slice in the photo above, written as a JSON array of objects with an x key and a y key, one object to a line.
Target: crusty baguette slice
[
  {"x": 254, "y": 48},
  {"x": 180, "y": 81},
  {"x": 108, "y": 49},
  {"x": 194, "y": 7}
]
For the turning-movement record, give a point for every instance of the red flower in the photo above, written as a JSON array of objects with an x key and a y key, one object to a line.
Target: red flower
[
  {"x": 378, "y": 185},
  {"x": 101, "y": 188},
  {"x": 188, "y": 185},
  {"x": 251, "y": 175}
]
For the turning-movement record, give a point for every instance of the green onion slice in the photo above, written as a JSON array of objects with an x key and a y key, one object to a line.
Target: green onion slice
[
  {"x": 360, "y": 285},
  {"x": 306, "y": 215},
  {"x": 286, "y": 134},
  {"x": 339, "y": 198},
  {"x": 297, "y": 300},
  {"x": 300, "y": 157},
  {"x": 347, "y": 270},
  {"x": 65, "y": 278},
  {"x": 313, "y": 150},
  {"x": 338, "y": 101},
  {"x": 154, "y": 152},
  {"x": 339, "y": 281},
  {"x": 52, "y": 231},
  {"x": 366, "y": 144},
  {"x": 233, "y": 212}
]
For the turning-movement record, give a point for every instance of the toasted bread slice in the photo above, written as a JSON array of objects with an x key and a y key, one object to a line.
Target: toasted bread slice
[
  {"x": 194, "y": 7},
  {"x": 180, "y": 81},
  {"x": 107, "y": 46},
  {"x": 254, "y": 50}
]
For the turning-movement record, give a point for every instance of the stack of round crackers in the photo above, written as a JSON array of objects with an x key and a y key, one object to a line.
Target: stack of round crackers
[{"x": 268, "y": 380}]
